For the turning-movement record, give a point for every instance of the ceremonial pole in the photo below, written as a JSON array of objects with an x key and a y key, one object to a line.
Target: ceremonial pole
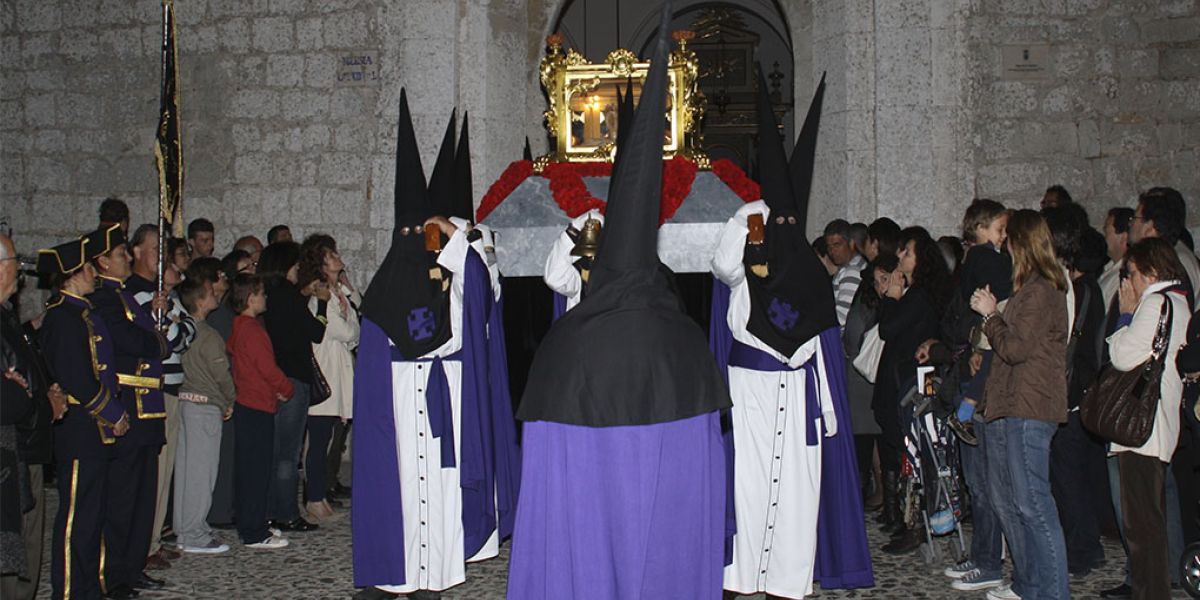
[
  {"x": 167, "y": 147},
  {"x": 162, "y": 198}
]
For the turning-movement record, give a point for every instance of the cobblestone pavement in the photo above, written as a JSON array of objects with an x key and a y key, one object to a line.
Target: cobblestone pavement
[{"x": 317, "y": 565}]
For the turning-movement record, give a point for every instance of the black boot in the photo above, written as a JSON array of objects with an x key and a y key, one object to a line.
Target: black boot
[
  {"x": 889, "y": 517},
  {"x": 908, "y": 540}
]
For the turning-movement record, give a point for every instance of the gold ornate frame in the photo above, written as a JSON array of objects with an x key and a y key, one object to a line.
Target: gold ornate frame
[{"x": 582, "y": 110}]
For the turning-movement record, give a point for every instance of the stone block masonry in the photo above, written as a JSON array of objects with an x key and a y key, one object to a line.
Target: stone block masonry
[
  {"x": 919, "y": 114},
  {"x": 270, "y": 134},
  {"x": 1123, "y": 82}
]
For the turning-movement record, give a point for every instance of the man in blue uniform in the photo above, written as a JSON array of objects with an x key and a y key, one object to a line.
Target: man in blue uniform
[
  {"x": 79, "y": 355},
  {"x": 139, "y": 350}
]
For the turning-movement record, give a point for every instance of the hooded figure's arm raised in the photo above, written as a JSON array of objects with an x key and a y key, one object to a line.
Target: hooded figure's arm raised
[{"x": 727, "y": 259}]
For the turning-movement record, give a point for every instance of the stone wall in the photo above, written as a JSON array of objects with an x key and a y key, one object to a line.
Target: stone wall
[
  {"x": 918, "y": 116},
  {"x": 1118, "y": 112},
  {"x": 270, "y": 134}
]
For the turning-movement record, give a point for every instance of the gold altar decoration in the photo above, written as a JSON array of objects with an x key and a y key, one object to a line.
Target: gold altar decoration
[{"x": 582, "y": 115}]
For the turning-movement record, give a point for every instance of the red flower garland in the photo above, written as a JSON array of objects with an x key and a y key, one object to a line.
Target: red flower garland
[
  {"x": 569, "y": 190},
  {"x": 509, "y": 180},
  {"x": 731, "y": 175},
  {"x": 572, "y": 196},
  {"x": 678, "y": 175}
]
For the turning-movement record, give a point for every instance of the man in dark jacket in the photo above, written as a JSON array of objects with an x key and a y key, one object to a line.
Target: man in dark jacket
[
  {"x": 33, "y": 438},
  {"x": 1076, "y": 456}
]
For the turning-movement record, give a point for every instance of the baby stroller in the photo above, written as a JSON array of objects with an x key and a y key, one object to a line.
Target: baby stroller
[
  {"x": 1190, "y": 570},
  {"x": 932, "y": 488}
]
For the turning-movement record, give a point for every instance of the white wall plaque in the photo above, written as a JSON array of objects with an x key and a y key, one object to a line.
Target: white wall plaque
[{"x": 1025, "y": 61}]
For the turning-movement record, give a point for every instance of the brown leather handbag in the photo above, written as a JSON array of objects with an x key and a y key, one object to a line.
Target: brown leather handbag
[{"x": 1120, "y": 406}]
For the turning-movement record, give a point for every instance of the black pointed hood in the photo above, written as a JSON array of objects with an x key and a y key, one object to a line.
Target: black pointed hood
[
  {"x": 635, "y": 190},
  {"x": 794, "y": 302},
  {"x": 628, "y": 354},
  {"x": 774, "y": 179},
  {"x": 464, "y": 201},
  {"x": 412, "y": 196},
  {"x": 412, "y": 309},
  {"x": 625, "y": 108},
  {"x": 805, "y": 153},
  {"x": 441, "y": 181}
]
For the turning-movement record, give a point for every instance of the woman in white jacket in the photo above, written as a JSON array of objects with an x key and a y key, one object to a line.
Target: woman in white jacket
[
  {"x": 320, "y": 262},
  {"x": 1154, "y": 276}
]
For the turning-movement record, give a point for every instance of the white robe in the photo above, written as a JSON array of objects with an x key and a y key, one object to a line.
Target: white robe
[
  {"x": 561, "y": 274},
  {"x": 431, "y": 500},
  {"x": 777, "y": 474}
]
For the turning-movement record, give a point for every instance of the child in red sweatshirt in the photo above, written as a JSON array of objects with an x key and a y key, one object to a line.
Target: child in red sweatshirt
[{"x": 260, "y": 387}]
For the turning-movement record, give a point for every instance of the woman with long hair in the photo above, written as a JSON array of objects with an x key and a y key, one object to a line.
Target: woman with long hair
[
  {"x": 909, "y": 313},
  {"x": 320, "y": 264},
  {"x": 1024, "y": 401},
  {"x": 863, "y": 315}
]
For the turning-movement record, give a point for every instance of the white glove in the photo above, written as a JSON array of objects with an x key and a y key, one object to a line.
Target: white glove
[
  {"x": 743, "y": 214},
  {"x": 831, "y": 424}
]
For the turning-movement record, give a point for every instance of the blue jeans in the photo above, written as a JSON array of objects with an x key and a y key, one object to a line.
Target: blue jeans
[
  {"x": 1020, "y": 449},
  {"x": 985, "y": 534},
  {"x": 290, "y": 419}
]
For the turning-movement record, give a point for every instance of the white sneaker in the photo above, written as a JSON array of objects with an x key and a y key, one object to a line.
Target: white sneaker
[
  {"x": 212, "y": 547},
  {"x": 976, "y": 580},
  {"x": 275, "y": 541},
  {"x": 960, "y": 570},
  {"x": 1004, "y": 592}
]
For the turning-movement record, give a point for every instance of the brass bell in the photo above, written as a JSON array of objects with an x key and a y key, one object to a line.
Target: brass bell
[{"x": 588, "y": 240}]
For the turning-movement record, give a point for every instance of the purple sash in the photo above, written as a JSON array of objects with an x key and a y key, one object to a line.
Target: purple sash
[
  {"x": 749, "y": 357},
  {"x": 437, "y": 398}
]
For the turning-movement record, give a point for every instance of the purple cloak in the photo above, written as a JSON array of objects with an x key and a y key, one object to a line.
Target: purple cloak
[
  {"x": 507, "y": 458},
  {"x": 632, "y": 512},
  {"x": 560, "y": 306}
]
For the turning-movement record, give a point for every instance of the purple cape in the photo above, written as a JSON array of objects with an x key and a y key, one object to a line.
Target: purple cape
[
  {"x": 631, "y": 512},
  {"x": 843, "y": 557},
  {"x": 377, "y": 525},
  {"x": 560, "y": 306},
  {"x": 504, "y": 426}
]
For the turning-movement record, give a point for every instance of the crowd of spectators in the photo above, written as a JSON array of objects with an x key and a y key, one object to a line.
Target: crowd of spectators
[
  {"x": 1019, "y": 317},
  {"x": 257, "y": 364}
]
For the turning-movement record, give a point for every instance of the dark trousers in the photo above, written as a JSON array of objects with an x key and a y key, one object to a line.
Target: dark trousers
[
  {"x": 891, "y": 440},
  {"x": 254, "y": 457},
  {"x": 221, "y": 512},
  {"x": 75, "y": 551},
  {"x": 1144, "y": 510},
  {"x": 864, "y": 448},
  {"x": 320, "y": 432},
  {"x": 129, "y": 516},
  {"x": 33, "y": 528},
  {"x": 1076, "y": 471},
  {"x": 337, "y": 448}
]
